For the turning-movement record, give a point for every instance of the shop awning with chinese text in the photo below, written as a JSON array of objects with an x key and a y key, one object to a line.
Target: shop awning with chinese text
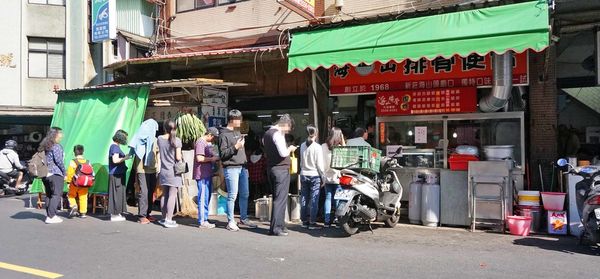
[{"x": 516, "y": 27}]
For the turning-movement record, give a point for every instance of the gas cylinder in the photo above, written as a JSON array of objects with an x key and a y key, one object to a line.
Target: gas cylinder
[
  {"x": 430, "y": 204},
  {"x": 414, "y": 202}
]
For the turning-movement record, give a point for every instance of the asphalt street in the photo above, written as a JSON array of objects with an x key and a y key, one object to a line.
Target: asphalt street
[{"x": 96, "y": 248}]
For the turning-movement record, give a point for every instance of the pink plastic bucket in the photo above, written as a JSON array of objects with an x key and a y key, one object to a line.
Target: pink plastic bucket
[
  {"x": 553, "y": 201},
  {"x": 519, "y": 225}
]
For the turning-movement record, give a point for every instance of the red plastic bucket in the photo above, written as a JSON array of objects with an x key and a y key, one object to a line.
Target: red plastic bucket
[
  {"x": 535, "y": 212},
  {"x": 554, "y": 201},
  {"x": 519, "y": 225}
]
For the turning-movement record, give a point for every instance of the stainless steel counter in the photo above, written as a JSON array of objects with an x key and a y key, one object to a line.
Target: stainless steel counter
[
  {"x": 454, "y": 195},
  {"x": 454, "y": 199}
]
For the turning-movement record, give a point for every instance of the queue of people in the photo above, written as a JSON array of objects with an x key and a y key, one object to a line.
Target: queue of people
[{"x": 159, "y": 160}]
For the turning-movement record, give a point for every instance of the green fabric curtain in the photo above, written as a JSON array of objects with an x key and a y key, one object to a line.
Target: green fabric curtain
[
  {"x": 91, "y": 117},
  {"x": 516, "y": 27}
]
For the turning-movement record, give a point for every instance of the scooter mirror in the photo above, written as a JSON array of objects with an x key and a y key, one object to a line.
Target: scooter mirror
[
  {"x": 562, "y": 162},
  {"x": 399, "y": 150}
]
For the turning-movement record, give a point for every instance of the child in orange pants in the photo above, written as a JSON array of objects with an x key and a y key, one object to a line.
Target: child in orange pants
[{"x": 75, "y": 191}]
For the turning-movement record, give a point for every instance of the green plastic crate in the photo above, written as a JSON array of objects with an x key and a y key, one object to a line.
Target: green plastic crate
[{"x": 356, "y": 157}]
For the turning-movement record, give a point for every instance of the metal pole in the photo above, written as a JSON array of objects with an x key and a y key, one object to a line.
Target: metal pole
[{"x": 313, "y": 97}]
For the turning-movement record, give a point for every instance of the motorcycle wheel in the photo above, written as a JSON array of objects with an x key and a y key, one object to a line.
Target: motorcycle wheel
[
  {"x": 594, "y": 235},
  {"x": 347, "y": 222},
  {"x": 350, "y": 227},
  {"x": 392, "y": 221}
]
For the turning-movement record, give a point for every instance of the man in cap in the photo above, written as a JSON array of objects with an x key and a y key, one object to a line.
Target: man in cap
[{"x": 203, "y": 173}]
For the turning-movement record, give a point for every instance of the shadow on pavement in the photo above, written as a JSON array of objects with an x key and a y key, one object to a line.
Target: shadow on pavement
[
  {"x": 568, "y": 245},
  {"x": 24, "y": 199},
  {"x": 331, "y": 232},
  {"x": 23, "y": 215}
]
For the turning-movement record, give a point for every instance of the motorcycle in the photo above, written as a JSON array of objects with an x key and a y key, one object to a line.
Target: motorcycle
[
  {"x": 364, "y": 199},
  {"x": 587, "y": 196},
  {"x": 8, "y": 185}
]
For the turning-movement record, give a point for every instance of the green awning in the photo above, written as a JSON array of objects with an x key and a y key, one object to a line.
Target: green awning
[{"x": 516, "y": 27}]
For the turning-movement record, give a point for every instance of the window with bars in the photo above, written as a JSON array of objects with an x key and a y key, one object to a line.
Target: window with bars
[
  {"x": 48, "y": 2},
  {"x": 188, "y": 5},
  {"x": 46, "y": 58}
]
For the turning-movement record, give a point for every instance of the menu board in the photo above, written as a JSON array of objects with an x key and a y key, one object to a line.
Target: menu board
[
  {"x": 430, "y": 101},
  {"x": 214, "y": 106}
]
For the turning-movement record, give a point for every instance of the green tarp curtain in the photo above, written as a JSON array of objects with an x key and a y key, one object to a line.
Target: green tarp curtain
[
  {"x": 516, "y": 27},
  {"x": 91, "y": 117}
]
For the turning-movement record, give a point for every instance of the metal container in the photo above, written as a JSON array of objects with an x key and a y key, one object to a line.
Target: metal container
[
  {"x": 414, "y": 202},
  {"x": 499, "y": 152},
  {"x": 213, "y": 204},
  {"x": 430, "y": 205},
  {"x": 262, "y": 207},
  {"x": 294, "y": 207},
  {"x": 427, "y": 175},
  {"x": 287, "y": 211}
]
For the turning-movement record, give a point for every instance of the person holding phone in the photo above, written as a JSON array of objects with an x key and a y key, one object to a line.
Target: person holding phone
[
  {"x": 233, "y": 158},
  {"x": 117, "y": 203},
  {"x": 278, "y": 167}
]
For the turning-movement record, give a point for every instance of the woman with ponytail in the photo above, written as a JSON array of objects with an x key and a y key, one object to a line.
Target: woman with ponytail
[
  {"x": 169, "y": 146},
  {"x": 332, "y": 176},
  {"x": 312, "y": 169}
]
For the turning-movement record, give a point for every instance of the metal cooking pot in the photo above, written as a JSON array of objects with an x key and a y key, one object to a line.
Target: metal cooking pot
[{"x": 499, "y": 152}]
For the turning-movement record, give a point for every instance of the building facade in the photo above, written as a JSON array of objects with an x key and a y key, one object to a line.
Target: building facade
[
  {"x": 33, "y": 52},
  {"x": 47, "y": 47}
]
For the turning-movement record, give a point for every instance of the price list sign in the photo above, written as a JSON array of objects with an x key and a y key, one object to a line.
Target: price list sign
[{"x": 431, "y": 101}]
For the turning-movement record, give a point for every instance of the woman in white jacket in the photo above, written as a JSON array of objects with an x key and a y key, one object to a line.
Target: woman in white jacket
[
  {"x": 312, "y": 169},
  {"x": 332, "y": 176}
]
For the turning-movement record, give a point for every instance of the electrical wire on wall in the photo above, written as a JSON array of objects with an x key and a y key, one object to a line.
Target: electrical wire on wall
[{"x": 286, "y": 26}]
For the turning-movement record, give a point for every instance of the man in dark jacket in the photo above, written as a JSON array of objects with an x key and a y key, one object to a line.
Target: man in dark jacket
[
  {"x": 278, "y": 166},
  {"x": 233, "y": 158}
]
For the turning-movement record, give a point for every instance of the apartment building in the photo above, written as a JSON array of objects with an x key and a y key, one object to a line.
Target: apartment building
[{"x": 46, "y": 46}]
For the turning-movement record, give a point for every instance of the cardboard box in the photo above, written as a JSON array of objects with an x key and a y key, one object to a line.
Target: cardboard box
[{"x": 557, "y": 222}]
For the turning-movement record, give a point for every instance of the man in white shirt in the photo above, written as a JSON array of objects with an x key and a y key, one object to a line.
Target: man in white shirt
[
  {"x": 10, "y": 163},
  {"x": 360, "y": 138},
  {"x": 278, "y": 168}
]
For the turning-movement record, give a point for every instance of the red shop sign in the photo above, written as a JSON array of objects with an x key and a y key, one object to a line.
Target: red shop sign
[
  {"x": 428, "y": 101},
  {"x": 470, "y": 71}
]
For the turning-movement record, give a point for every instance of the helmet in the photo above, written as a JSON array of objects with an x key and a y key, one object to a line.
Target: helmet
[{"x": 10, "y": 144}]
